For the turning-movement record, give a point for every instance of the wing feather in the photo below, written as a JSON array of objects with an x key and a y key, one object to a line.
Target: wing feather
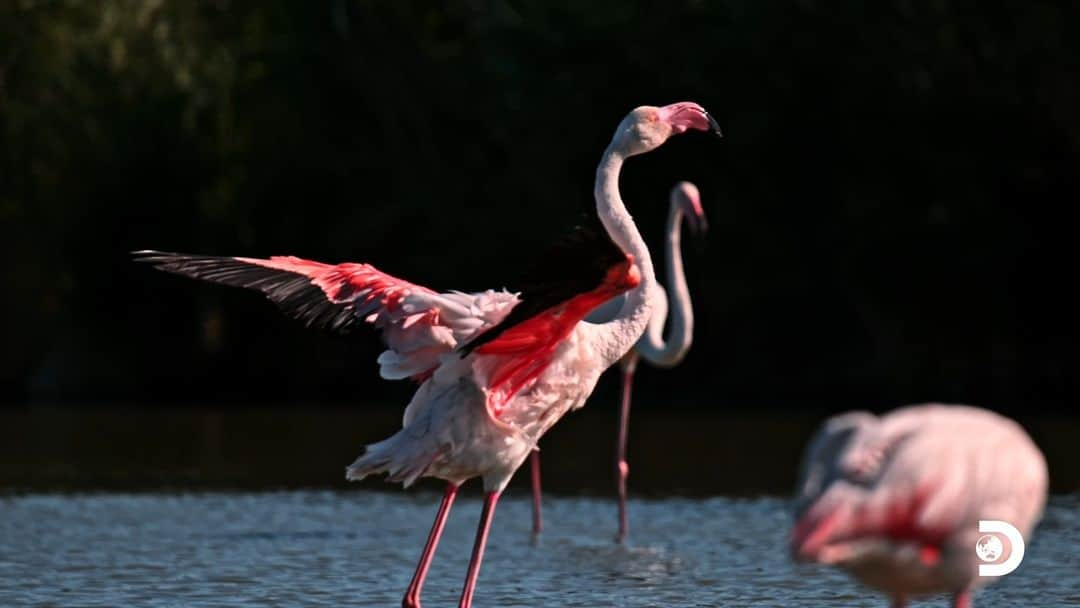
[{"x": 418, "y": 324}]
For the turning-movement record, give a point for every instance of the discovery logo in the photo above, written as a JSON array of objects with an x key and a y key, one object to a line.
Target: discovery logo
[{"x": 989, "y": 547}]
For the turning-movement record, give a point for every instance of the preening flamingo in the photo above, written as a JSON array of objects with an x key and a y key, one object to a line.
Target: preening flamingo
[
  {"x": 896, "y": 500},
  {"x": 496, "y": 369},
  {"x": 653, "y": 347}
]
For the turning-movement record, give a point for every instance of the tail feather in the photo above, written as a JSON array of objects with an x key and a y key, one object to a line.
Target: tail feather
[{"x": 403, "y": 461}]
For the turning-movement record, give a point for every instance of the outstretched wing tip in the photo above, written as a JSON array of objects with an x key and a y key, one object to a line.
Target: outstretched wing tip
[
  {"x": 161, "y": 258},
  {"x": 146, "y": 255}
]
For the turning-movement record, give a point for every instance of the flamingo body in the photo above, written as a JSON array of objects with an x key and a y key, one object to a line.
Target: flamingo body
[
  {"x": 450, "y": 432},
  {"x": 487, "y": 391},
  {"x": 896, "y": 500}
]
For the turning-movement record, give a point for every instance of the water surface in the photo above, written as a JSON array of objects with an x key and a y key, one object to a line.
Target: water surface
[{"x": 358, "y": 548}]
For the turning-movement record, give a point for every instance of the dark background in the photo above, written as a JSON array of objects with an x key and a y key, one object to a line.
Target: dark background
[{"x": 890, "y": 204}]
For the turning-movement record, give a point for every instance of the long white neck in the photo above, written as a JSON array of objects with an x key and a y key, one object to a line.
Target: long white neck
[
  {"x": 616, "y": 337},
  {"x": 652, "y": 346}
]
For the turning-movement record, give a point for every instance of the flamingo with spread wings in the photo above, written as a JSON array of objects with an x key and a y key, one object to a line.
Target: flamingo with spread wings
[
  {"x": 496, "y": 369},
  {"x": 896, "y": 500}
]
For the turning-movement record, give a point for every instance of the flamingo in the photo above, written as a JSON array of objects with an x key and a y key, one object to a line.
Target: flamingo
[
  {"x": 684, "y": 203},
  {"x": 495, "y": 369},
  {"x": 896, "y": 500}
]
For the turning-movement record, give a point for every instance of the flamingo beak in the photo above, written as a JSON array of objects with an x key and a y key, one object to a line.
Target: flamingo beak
[
  {"x": 820, "y": 527},
  {"x": 687, "y": 115},
  {"x": 698, "y": 230},
  {"x": 690, "y": 201},
  {"x": 699, "y": 226}
]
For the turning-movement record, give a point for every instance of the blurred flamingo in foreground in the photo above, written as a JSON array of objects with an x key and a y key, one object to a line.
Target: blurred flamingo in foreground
[
  {"x": 896, "y": 500},
  {"x": 653, "y": 347},
  {"x": 496, "y": 369}
]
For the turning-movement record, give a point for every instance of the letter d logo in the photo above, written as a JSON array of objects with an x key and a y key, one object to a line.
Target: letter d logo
[{"x": 989, "y": 547}]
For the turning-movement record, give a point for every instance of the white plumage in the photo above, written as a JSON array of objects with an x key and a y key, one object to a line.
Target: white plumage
[{"x": 429, "y": 325}]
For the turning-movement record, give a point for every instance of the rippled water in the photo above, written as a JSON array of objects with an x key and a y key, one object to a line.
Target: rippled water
[{"x": 359, "y": 548}]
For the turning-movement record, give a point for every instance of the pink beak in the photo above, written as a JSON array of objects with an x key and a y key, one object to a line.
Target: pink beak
[
  {"x": 818, "y": 527},
  {"x": 688, "y": 115},
  {"x": 700, "y": 225}
]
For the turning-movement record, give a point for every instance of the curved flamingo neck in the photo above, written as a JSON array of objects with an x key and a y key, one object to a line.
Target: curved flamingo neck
[
  {"x": 653, "y": 346},
  {"x": 618, "y": 336}
]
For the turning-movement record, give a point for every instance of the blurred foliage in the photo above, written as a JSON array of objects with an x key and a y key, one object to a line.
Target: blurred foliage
[{"x": 889, "y": 203}]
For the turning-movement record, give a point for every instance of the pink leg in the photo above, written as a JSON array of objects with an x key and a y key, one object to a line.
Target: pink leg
[
  {"x": 962, "y": 600},
  {"x": 412, "y": 594},
  {"x": 898, "y": 601},
  {"x": 478, "y": 549},
  {"x": 538, "y": 520},
  {"x": 622, "y": 469}
]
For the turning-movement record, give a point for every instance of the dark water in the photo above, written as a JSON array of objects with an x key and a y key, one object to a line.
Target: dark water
[{"x": 358, "y": 548}]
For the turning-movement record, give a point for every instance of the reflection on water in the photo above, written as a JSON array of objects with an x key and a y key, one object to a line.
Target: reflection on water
[
  {"x": 699, "y": 452},
  {"x": 358, "y": 548}
]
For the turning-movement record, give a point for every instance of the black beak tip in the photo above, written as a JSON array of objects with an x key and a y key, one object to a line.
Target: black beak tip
[
  {"x": 715, "y": 126},
  {"x": 698, "y": 230}
]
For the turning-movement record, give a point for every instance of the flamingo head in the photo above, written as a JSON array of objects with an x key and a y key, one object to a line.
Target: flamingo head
[
  {"x": 685, "y": 195},
  {"x": 648, "y": 127}
]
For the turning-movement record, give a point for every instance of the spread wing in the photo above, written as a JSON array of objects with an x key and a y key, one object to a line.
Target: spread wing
[{"x": 418, "y": 324}]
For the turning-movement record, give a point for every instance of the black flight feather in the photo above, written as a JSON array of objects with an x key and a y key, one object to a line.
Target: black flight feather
[{"x": 294, "y": 293}]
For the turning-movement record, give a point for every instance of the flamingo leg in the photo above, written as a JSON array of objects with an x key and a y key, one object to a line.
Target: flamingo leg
[
  {"x": 478, "y": 549},
  {"x": 412, "y": 594},
  {"x": 898, "y": 601},
  {"x": 962, "y": 600},
  {"x": 538, "y": 519},
  {"x": 622, "y": 468}
]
